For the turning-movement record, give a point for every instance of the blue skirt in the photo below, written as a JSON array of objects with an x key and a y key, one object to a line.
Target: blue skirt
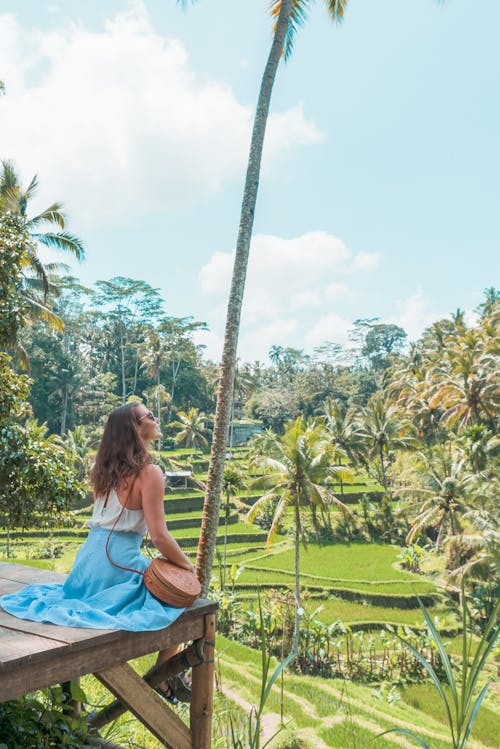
[{"x": 96, "y": 594}]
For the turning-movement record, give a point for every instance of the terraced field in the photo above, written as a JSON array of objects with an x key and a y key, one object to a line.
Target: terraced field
[{"x": 362, "y": 584}]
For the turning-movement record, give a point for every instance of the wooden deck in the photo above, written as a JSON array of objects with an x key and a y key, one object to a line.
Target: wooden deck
[{"x": 34, "y": 655}]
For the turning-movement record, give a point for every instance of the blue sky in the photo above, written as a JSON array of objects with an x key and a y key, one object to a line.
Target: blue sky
[{"x": 380, "y": 187}]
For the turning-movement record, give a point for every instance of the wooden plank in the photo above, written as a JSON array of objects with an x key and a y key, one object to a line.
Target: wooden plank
[
  {"x": 10, "y": 586},
  {"x": 90, "y": 639},
  {"x": 202, "y": 692},
  {"x": 15, "y": 645},
  {"x": 50, "y": 631},
  {"x": 146, "y": 705},
  {"x": 64, "y": 653},
  {"x": 28, "y": 575},
  {"x": 18, "y": 677}
]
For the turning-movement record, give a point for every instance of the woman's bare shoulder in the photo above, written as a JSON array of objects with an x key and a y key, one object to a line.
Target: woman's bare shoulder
[{"x": 151, "y": 473}]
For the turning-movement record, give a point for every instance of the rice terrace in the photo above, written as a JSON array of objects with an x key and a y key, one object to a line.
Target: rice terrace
[{"x": 294, "y": 403}]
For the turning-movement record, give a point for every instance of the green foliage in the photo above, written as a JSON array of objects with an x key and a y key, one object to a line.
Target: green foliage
[
  {"x": 37, "y": 483},
  {"x": 411, "y": 556},
  {"x": 40, "y": 722},
  {"x": 14, "y": 246},
  {"x": 14, "y": 390},
  {"x": 458, "y": 694}
]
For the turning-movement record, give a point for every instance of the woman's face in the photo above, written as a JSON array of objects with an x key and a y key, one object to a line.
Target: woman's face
[{"x": 148, "y": 424}]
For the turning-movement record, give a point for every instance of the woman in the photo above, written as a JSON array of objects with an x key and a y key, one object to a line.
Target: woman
[{"x": 128, "y": 498}]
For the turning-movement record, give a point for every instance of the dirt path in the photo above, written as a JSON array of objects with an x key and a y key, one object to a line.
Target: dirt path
[{"x": 272, "y": 721}]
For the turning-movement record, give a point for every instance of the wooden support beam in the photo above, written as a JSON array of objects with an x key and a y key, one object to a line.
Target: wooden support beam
[
  {"x": 193, "y": 654},
  {"x": 202, "y": 691},
  {"x": 146, "y": 705}
]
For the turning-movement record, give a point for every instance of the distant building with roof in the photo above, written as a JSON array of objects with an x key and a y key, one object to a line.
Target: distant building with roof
[{"x": 241, "y": 430}]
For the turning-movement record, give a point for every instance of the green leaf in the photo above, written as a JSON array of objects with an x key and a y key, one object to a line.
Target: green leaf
[
  {"x": 442, "y": 652},
  {"x": 473, "y": 714},
  {"x": 275, "y": 675},
  {"x": 77, "y": 692},
  {"x": 405, "y": 732},
  {"x": 434, "y": 677}
]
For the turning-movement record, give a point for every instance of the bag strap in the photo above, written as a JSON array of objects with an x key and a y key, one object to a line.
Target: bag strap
[{"x": 120, "y": 566}]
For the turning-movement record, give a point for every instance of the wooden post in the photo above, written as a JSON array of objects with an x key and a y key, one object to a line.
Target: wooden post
[
  {"x": 202, "y": 692},
  {"x": 70, "y": 707}
]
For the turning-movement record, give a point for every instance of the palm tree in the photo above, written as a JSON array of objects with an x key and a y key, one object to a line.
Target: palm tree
[
  {"x": 383, "y": 430},
  {"x": 442, "y": 489},
  {"x": 192, "y": 428},
  {"x": 342, "y": 427},
  {"x": 39, "y": 278},
  {"x": 297, "y": 475},
  {"x": 15, "y": 198},
  {"x": 288, "y": 15},
  {"x": 151, "y": 357},
  {"x": 467, "y": 386}
]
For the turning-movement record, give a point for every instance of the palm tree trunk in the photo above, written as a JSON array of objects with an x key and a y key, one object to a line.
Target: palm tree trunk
[
  {"x": 382, "y": 466},
  {"x": 136, "y": 370},
  {"x": 64, "y": 411},
  {"x": 225, "y": 543},
  {"x": 295, "y": 645},
  {"x": 158, "y": 404},
  {"x": 122, "y": 355},
  {"x": 211, "y": 507},
  {"x": 175, "y": 369}
]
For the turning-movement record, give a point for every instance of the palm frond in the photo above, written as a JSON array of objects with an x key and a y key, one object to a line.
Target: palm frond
[
  {"x": 42, "y": 279},
  {"x": 9, "y": 199},
  {"x": 270, "y": 479},
  {"x": 261, "y": 503},
  {"x": 22, "y": 356},
  {"x": 298, "y": 16},
  {"x": 336, "y": 9},
  {"x": 44, "y": 313},
  {"x": 51, "y": 215},
  {"x": 63, "y": 241},
  {"x": 273, "y": 530},
  {"x": 8, "y": 178}
]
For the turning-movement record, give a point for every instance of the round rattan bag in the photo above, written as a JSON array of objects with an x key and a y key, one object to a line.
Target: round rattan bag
[{"x": 171, "y": 584}]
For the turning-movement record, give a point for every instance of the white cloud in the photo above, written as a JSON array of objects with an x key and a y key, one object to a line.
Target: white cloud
[
  {"x": 255, "y": 343},
  {"x": 331, "y": 327},
  {"x": 212, "y": 344},
  {"x": 292, "y": 285},
  {"x": 117, "y": 122},
  {"x": 413, "y": 315}
]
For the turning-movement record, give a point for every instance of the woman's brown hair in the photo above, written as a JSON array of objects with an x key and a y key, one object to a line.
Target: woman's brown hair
[{"x": 122, "y": 452}]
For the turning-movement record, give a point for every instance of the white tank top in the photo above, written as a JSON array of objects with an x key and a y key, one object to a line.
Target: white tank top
[{"x": 131, "y": 521}]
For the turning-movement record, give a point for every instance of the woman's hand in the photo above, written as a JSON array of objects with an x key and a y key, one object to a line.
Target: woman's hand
[{"x": 189, "y": 567}]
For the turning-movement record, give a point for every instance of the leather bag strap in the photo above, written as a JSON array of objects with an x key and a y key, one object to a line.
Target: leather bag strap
[{"x": 115, "y": 564}]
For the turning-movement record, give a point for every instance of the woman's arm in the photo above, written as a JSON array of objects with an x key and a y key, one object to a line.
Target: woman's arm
[{"x": 152, "y": 485}]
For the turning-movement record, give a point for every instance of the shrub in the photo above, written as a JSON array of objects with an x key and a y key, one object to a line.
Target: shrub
[{"x": 40, "y": 722}]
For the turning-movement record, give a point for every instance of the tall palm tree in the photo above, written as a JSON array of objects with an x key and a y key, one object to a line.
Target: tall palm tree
[
  {"x": 297, "y": 475},
  {"x": 151, "y": 357},
  {"x": 288, "y": 15},
  {"x": 383, "y": 430}
]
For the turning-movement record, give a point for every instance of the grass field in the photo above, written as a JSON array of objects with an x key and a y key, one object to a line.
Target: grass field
[{"x": 319, "y": 712}]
